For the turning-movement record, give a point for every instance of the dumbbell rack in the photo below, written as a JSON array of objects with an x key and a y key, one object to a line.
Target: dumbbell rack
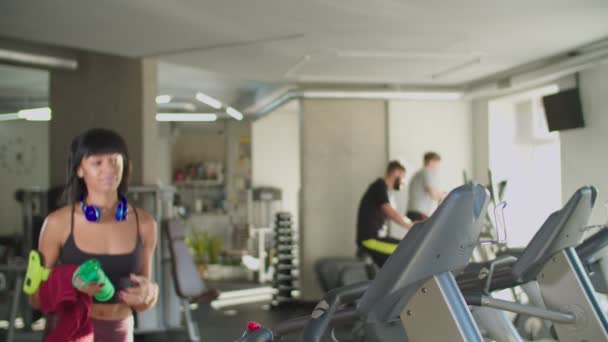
[{"x": 285, "y": 280}]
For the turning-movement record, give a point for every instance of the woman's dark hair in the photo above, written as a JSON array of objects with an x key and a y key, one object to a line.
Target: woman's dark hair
[{"x": 92, "y": 142}]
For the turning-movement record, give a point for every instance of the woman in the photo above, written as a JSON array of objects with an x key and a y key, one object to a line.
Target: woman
[{"x": 123, "y": 242}]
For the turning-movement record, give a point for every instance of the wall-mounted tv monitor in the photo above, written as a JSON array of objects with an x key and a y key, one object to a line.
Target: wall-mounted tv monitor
[{"x": 564, "y": 110}]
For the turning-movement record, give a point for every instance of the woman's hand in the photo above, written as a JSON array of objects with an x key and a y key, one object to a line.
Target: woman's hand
[
  {"x": 91, "y": 289},
  {"x": 142, "y": 295}
]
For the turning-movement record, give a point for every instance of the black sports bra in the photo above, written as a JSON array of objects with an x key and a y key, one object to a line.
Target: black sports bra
[{"x": 117, "y": 267}]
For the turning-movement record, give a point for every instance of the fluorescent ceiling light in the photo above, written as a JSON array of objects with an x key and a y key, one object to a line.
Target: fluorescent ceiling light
[
  {"x": 163, "y": 99},
  {"x": 186, "y": 117},
  {"x": 234, "y": 113},
  {"x": 385, "y": 95},
  {"x": 177, "y": 106},
  {"x": 10, "y": 116},
  {"x": 36, "y": 114},
  {"x": 208, "y": 100}
]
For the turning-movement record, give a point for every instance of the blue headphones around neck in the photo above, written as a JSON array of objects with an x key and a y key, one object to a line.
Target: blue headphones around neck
[{"x": 93, "y": 214}]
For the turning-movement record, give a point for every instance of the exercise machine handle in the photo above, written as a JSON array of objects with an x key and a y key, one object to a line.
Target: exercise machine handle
[
  {"x": 255, "y": 333},
  {"x": 323, "y": 313},
  {"x": 503, "y": 260},
  {"x": 501, "y": 227}
]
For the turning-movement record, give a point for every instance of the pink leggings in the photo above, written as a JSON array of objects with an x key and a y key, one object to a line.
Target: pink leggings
[{"x": 113, "y": 331}]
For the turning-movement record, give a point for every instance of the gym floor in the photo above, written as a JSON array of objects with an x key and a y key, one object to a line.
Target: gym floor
[
  {"x": 228, "y": 324},
  {"x": 215, "y": 325}
]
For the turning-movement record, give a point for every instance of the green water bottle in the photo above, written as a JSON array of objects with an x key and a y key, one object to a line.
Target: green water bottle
[{"x": 90, "y": 271}]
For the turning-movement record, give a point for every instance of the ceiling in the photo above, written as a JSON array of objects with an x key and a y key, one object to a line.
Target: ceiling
[
  {"x": 228, "y": 47},
  {"x": 182, "y": 82}
]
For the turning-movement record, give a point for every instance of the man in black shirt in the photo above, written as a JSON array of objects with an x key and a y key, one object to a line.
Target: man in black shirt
[{"x": 374, "y": 209}]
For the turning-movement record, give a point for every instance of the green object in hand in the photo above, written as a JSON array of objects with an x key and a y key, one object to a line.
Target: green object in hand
[
  {"x": 36, "y": 273},
  {"x": 90, "y": 271}
]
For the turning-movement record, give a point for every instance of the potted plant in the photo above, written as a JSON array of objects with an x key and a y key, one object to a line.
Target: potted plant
[
  {"x": 214, "y": 248},
  {"x": 206, "y": 252},
  {"x": 197, "y": 242}
]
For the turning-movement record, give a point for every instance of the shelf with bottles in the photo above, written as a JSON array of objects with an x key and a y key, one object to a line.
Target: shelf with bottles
[{"x": 199, "y": 174}]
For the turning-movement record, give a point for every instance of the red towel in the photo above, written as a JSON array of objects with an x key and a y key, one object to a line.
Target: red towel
[{"x": 72, "y": 307}]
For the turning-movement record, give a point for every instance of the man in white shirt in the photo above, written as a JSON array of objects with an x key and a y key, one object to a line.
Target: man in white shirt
[{"x": 424, "y": 192}]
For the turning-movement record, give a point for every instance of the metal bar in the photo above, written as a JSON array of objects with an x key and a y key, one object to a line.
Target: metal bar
[
  {"x": 28, "y": 244},
  {"x": 14, "y": 306},
  {"x": 29, "y": 222},
  {"x": 535, "y": 297},
  {"x": 258, "y": 291},
  {"x": 498, "y": 262},
  {"x": 496, "y": 324},
  {"x": 262, "y": 256},
  {"x": 158, "y": 267},
  {"x": 454, "y": 300},
  {"x": 554, "y": 316},
  {"x": 193, "y": 335},
  {"x": 223, "y": 303},
  {"x": 38, "y": 60}
]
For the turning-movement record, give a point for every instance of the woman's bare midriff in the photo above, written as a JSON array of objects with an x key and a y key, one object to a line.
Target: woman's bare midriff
[{"x": 110, "y": 312}]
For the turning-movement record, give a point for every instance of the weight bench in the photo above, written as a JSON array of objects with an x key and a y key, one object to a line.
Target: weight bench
[{"x": 188, "y": 283}]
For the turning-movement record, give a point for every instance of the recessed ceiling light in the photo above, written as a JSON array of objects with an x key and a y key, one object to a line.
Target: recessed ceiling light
[{"x": 208, "y": 100}]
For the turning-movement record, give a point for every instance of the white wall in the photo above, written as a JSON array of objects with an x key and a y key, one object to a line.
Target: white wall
[
  {"x": 583, "y": 151},
  {"x": 275, "y": 144},
  {"x": 415, "y": 127},
  {"x": 31, "y": 140},
  {"x": 481, "y": 153},
  {"x": 344, "y": 149},
  {"x": 528, "y": 157}
]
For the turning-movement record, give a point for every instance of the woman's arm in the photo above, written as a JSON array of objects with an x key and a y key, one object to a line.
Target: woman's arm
[{"x": 49, "y": 245}]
